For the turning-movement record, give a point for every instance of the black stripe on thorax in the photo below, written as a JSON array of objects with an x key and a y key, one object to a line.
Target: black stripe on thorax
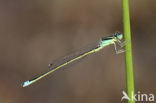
[{"x": 107, "y": 38}]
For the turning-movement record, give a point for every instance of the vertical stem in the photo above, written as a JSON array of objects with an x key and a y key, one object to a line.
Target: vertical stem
[{"x": 128, "y": 53}]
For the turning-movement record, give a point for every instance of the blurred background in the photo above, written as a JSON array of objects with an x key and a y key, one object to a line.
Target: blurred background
[{"x": 33, "y": 33}]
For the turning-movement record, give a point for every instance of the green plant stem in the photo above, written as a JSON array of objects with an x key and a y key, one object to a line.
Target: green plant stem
[{"x": 128, "y": 48}]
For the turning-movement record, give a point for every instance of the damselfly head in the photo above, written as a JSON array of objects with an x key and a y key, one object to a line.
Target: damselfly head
[{"x": 118, "y": 35}]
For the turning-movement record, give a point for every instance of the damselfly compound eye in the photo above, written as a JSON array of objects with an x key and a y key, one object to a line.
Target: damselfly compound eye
[{"x": 118, "y": 35}]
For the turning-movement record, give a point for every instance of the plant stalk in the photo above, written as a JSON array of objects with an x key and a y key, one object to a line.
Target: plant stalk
[{"x": 128, "y": 49}]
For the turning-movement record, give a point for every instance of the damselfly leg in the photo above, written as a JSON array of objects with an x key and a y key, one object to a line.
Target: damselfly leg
[{"x": 121, "y": 44}]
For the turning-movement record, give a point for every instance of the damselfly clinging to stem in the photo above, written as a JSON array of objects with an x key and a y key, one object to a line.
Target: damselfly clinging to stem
[{"x": 114, "y": 39}]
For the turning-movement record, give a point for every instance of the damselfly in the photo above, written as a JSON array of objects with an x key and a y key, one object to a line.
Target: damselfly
[{"x": 103, "y": 42}]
